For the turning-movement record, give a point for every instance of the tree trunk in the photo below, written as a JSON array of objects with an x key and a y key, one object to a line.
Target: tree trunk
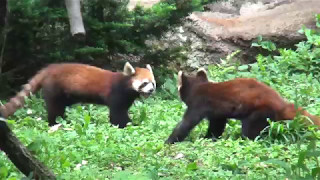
[
  {"x": 3, "y": 11},
  {"x": 20, "y": 156},
  {"x": 75, "y": 17},
  {"x": 3, "y": 22}
]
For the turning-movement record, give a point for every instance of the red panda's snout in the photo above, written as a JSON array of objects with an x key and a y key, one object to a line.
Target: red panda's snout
[
  {"x": 142, "y": 79},
  {"x": 144, "y": 87}
]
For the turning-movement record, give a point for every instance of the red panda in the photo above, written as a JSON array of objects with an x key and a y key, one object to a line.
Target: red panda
[
  {"x": 69, "y": 83},
  {"x": 245, "y": 99}
]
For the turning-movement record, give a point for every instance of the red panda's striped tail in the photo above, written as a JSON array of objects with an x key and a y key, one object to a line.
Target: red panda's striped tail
[
  {"x": 315, "y": 119},
  {"x": 18, "y": 101},
  {"x": 290, "y": 112}
]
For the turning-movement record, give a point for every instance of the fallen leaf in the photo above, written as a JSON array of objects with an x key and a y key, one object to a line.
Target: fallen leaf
[
  {"x": 54, "y": 128},
  {"x": 179, "y": 156}
]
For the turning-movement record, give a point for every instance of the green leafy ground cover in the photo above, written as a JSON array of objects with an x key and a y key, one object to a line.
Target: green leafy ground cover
[
  {"x": 138, "y": 151},
  {"x": 87, "y": 147}
]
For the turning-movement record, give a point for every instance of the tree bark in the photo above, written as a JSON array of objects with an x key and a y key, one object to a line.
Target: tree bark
[
  {"x": 20, "y": 156},
  {"x": 75, "y": 17},
  {"x": 3, "y": 33},
  {"x": 3, "y": 12}
]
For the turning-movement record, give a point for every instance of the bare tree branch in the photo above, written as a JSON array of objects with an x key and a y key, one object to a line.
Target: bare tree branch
[{"x": 75, "y": 17}]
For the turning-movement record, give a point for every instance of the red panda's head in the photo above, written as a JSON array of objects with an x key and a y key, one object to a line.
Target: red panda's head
[
  {"x": 186, "y": 83},
  {"x": 142, "y": 79}
]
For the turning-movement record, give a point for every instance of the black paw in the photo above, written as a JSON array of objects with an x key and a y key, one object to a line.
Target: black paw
[
  {"x": 169, "y": 141},
  {"x": 213, "y": 138}
]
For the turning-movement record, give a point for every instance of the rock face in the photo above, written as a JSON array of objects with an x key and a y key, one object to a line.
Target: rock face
[{"x": 232, "y": 25}]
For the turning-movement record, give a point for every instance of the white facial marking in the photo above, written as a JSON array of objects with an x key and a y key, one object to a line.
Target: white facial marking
[
  {"x": 148, "y": 88},
  {"x": 136, "y": 84},
  {"x": 140, "y": 86}
]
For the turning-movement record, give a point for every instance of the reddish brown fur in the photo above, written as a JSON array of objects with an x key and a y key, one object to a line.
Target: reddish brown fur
[
  {"x": 68, "y": 83},
  {"x": 143, "y": 73},
  {"x": 252, "y": 94},
  {"x": 245, "y": 99}
]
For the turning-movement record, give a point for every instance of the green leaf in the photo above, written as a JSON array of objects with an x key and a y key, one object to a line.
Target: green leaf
[
  {"x": 255, "y": 45},
  {"x": 316, "y": 172},
  {"x": 280, "y": 163},
  {"x": 243, "y": 67},
  {"x": 3, "y": 171},
  {"x": 302, "y": 157},
  {"x": 66, "y": 164},
  {"x": 318, "y": 20},
  {"x": 192, "y": 166}
]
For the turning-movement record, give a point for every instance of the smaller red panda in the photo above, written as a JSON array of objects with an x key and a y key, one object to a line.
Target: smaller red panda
[
  {"x": 245, "y": 99},
  {"x": 69, "y": 83}
]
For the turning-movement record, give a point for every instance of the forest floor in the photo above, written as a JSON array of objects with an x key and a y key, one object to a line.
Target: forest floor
[{"x": 88, "y": 147}]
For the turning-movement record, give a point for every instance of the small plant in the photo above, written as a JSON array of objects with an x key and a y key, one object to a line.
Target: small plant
[
  {"x": 268, "y": 45},
  {"x": 304, "y": 59},
  {"x": 307, "y": 166},
  {"x": 289, "y": 131},
  {"x": 86, "y": 146}
]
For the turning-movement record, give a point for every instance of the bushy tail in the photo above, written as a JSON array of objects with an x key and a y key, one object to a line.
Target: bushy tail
[
  {"x": 290, "y": 112},
  {"x": 18, "y": 101}
]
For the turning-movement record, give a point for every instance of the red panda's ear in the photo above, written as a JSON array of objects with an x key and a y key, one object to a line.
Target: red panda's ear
[
  {"x": 128, "y": 70},
  {"x": 180, "y": 79},
  {"x": 149, "y": 68},
  {"x": 202, "y": 74}
]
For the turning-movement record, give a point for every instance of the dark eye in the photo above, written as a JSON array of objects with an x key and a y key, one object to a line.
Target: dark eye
[{"x": 143, "y": 85}]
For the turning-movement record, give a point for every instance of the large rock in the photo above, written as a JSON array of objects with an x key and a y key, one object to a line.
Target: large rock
[
  {"x": 233, "y": 25},
  {"x": 278, "y": 21}
]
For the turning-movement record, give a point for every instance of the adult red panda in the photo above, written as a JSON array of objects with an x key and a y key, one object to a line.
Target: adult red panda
[
  {"x": 69, "y": 83},
  {"x": 245, "y": 99}
]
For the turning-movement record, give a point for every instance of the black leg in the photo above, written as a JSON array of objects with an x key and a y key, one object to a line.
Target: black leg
[
  {"x": 56, "y": 103},
  {"x": 190, "y": 119},
  {"x": 255, "y": 123},
  {"x": 54, "y": 109},
  {"x": 119, "y": 117},
  {"x": 216, "y": 127}
]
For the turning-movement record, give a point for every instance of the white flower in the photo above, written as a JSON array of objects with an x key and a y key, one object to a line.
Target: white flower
[
  {"x": 84, "y": 162},
  {"x": 29, "y": 111},
  {"x": 78, "y": 167}
]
